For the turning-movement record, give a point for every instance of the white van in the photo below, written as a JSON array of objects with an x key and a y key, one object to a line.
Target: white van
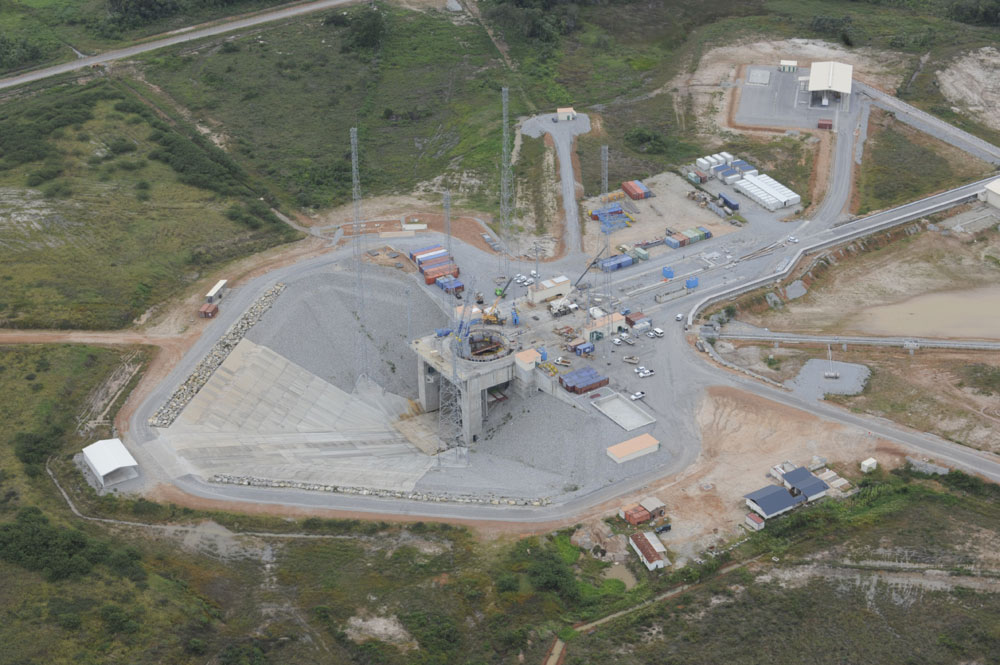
[
  {"x": 679, "y": 317},
  {"x": 658, "y": 332}
]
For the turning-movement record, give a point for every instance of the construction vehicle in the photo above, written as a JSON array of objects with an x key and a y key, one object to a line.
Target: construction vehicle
[
  {"x": 500, "y": 292},
  {"x": 587, "y": 269},
  {"x": 480, "y": 299}
]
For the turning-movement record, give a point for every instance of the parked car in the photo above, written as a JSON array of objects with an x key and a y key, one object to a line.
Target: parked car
[
  {"x": 616, "y": 341},
  {"x": 679, "y": 317},
  {"x": 650, "y": 335},
  {"x": 639, "y": 369},
  {"x": 658, "y": 332},
  {"x": 637, "y": 395},
  {"x": 792, "y": 239},
  {"x": 529, "y": 281},
  {"x": 534, "y": 273},
  {"x": 648, "y": 372},
  {"x": 663, "y": 528}
]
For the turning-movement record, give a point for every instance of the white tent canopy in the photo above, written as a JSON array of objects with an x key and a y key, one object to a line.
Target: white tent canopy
[
  {"x": 110, "y": 461},
  {"x": 834, "y": 76}
]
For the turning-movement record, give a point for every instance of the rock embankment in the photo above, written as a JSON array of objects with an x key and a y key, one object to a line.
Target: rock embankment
[
  {"x": 167, "y": 413},
  {"x": 252, "y": 481}
]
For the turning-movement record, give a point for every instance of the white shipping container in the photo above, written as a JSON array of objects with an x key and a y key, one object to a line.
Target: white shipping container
[
  {"x": 726, "y": 156},
  {"x": 702, "y": 164},
  {"x": 732, "y": 178}
]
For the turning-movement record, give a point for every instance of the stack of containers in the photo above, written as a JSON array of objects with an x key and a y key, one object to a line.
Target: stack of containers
[
  {"x": 449, "y": 284},
  {"x": 705, "y": 232},
  {"x": 641, "y": 253},
  {"x": 645, "y": 190},
  {"x": 431, "y": 274},
  {"x": 718, "y": 169},
  {"x": 432, "y": 262},
  {"x": 583, "y": 380},
  {"x": 417, "y": 252},
  {"x": 632, "y": 190},
  {"x": 615, "y": 209},
  {"x": 702, "y": 163},
  {"x": 729, "y": 176},
  {"x": 615, "y": 262}
]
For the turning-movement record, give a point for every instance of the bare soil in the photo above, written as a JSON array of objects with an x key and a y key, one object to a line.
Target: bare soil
[
  {"x": 927, "y": 263},
  {"x": 972, "y": 83},
  {"x": 882, "y": 69},
  {"x": 926, "y": 391}
]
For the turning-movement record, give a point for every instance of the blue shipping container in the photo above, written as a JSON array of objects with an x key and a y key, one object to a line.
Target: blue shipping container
[
  {"x": 691, "y": 282},
  {"x": 668, "y": 272},
  {"x": 642, "y": 186},
  {"x": 442, "y": 332},
  {"x": 728, "y": 202},
  {"x": 625, "y": 261},
  {"x": 708, "y": 234},
  {"x": 430, "y": 256},
  {"x": 543, "y": 353},
  {"x": 672, "y": 243}
]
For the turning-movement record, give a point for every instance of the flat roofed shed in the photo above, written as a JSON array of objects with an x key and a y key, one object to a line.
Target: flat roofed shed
[
  {"x": 632, "y": 448},
  {"x": 110, "y": 461},
  {"x": 834, "y": 76}
]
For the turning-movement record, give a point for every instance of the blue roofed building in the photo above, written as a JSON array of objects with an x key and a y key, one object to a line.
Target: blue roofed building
[
  {"x": 800, "y": 481},
  {"x": 772, "y": 501}
]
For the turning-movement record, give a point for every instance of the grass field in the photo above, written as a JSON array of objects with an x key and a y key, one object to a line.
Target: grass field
[
  {"x": 100, "y": 224},
  {"x": 901, "y": 164},
  {"x": 426, "y": 102}
]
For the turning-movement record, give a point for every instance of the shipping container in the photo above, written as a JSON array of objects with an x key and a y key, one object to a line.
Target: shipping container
[
  {"x": 433, "y": 263},
  {"x": 825, "y": 123},
  {"x": 431, "y": 275},
  {"x": 708, "y": 234},
  {"x": 702, "y": 163},
  {"x": 681, "y": 239},
  {"x": 728, "y": 202},
  {"x": 427, "y": 256},
  {"x": 672, "y": 243},
  {"x": 668, "y": 272},
  {"x": 643, "y": 187},
  {"x": 415, "y": 252},
  {"x": 691, "y": 282},
  {"x": 726, "y": 156},
  {"x": 642, "y": 254},
  {"x": 693, "y": 177}
]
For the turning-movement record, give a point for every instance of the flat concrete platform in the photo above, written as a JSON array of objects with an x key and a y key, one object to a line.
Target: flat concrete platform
[
  {"x": 625, "y": 412},
  {"x": 262, "y": 415}
]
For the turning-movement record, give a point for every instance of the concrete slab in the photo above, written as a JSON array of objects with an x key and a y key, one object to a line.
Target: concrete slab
[
  {"x": 267, "y": 417},
  {"x": 625, "y": 412}
]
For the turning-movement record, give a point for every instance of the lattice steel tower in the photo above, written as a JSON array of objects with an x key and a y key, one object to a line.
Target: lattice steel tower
[
  {"x": 506, "y": 195},
  {"x": 361, "y": 351},
  {"x": 447, "y": 218}
]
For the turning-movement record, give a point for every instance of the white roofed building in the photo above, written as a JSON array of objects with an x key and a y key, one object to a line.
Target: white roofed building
[{"x": 110, "y": 462}]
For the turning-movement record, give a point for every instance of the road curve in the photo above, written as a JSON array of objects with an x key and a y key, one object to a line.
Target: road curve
[{"x": 187, "y": 35}]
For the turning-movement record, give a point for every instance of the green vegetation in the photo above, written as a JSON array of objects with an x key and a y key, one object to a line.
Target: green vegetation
[
  {"x": 788, "y": 159},
  {"x": 422, "y": 91},
  {"x": 112, "y": 209},
  {"x": 854, "y": 618},
  {"x": 982, "y": 377}
]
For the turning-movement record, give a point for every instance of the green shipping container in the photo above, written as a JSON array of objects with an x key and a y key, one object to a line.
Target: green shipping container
[{"x": 641, "y": 253}]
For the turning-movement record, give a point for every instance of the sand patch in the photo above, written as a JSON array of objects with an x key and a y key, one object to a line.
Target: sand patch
[{"x": 973, "y": 83}]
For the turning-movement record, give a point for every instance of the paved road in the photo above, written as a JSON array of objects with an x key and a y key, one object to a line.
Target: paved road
[
  {"x": 929, "y": 124},
  {"x": 562, "y": 134},
  {"x": 179, "y": 37},
  {"x": 906, "y": 342}
]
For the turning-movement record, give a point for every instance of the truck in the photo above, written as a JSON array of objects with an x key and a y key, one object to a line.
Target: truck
[
  {"x": 632, "y": 360},
  {"x": 562, "y": 307},
  {"x": 562, "y": 361}
]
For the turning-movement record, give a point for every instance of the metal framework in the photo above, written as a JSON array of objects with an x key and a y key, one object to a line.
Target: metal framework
[
  {"x": 506, "y": 194},
  {"x": 361, "y": 352},
  {"x": 604, "y": 170},
  {"x": 447, "y": 217}
]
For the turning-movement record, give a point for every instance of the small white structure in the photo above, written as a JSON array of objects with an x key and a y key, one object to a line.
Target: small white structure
[
  {"x": 654, "y": 506},
  {"x": 110, "y": 461},
  {"x": 566, "y": 113},
  {"x": 651, "y": 551},
  {"x": 992, "y": 193},
  {"x": 869, "y": 465},
  {"x": 755, "y": 521},
  {"x": 217, "y": 292},
  {"x": 788, "y": 65}
]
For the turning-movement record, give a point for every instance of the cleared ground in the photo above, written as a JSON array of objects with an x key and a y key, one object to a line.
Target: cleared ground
[
  {"x": 948, "y": 393},
  {"x": 845, "y": 289},
  {"x": 972, "y": 82}
]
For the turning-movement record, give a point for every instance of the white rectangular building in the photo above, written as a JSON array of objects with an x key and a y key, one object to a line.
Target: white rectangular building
[
  {"x": 215, "y": 295},
  {"x": 651, "y": 551},
  {"x": 110, "y": 462},
  {"x": 549, "y": 289},
  {"x": 992, "y": 193}
]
